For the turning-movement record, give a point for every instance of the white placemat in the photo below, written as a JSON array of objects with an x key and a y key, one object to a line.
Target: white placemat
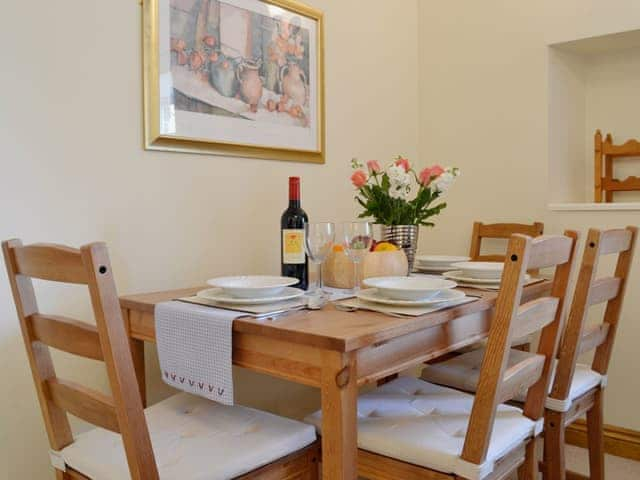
[
  {"x": 399, "y": 310},
  {"x": 195, "y": 349}
]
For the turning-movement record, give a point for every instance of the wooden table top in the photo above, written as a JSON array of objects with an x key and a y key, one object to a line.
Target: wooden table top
[{"x": 333, "y": 329}]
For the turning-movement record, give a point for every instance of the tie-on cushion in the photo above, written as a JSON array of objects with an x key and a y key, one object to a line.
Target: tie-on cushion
[
  {"x": 425, "y": 424},
  {"x": 194, "y": 438},
  {"x": 462, "y": 372}
]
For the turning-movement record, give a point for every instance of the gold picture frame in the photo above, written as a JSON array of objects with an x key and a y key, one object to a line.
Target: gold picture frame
[{"x": 156, "y": 139}]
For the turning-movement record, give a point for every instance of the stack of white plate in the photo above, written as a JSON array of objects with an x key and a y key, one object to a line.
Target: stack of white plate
[
  {"x": 251, "y": 289},
  {"x": 437, "y": 263},
  {"x": 409, "y": 291},
  {"x": 480, "y": 273}
]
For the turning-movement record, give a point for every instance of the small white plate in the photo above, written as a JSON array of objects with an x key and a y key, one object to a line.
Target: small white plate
[
  {"x": 458, "y": 276},
  {"x": 252, "y": 286},
  {"x": 219, "y": 295},
  {"x": 409, "y": 288},
  {"x": 439, "y": 260},
  {"x": 488, "y": 270},
  {"x": 374, "y": 295}
]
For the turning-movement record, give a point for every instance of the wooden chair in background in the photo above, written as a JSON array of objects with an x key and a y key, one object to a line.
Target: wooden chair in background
[
  {"x": 500, "y": 231},
  {"x": 97, "y": 454},
  {"x": 579, "y": 389},
  {"x": 412, "y": 429},
  {"x": 605, "y": 154}
]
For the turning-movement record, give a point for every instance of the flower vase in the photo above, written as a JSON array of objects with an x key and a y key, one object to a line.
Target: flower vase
[{"x": 405, "y": 237}]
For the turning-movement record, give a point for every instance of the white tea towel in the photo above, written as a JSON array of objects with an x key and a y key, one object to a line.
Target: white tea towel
[{"x": 195, "y": 349}]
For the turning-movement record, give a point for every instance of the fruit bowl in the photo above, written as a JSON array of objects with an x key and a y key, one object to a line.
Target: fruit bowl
[{"x": 338, "y": 269}]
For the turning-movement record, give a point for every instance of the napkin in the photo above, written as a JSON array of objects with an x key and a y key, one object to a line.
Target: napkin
[{"x": 195, "y": 349}]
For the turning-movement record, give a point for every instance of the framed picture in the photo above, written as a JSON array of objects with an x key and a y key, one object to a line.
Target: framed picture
[{"x": 234, "y": 77}]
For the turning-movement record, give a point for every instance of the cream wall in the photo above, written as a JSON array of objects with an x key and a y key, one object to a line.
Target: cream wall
[
  {"x": 74, "y": 171},
  {"x": 483, "y": 107}
]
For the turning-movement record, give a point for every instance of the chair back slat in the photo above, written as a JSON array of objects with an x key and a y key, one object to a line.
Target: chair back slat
[
  {"x": 593, "y": 337},
  {"x": 534, "y": 316},
  {"x": 615, "y": 241},
  {"x": 499, "y": 231},
  {"x": 498, "y": 382},
  {"x": 66, "y": 334},
  {"x": 107, "y": 341},
  {"x": 520, "y": 377},
  {"x": 577, "y": 338},
  {"x": 551, "y": 252},
  {"x": 54, "y": 263},
  {"x": 84, "y": 403},
  {"x": 603, "y": 290}
]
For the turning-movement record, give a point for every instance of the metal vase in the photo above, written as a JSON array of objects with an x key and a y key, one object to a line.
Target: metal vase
[{"x": 405, "y": 237}]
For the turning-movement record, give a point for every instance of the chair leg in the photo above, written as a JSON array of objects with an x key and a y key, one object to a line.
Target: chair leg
[
  {"x": 595, "y": 438},
  {"x": 554, "y": 432},
  {"x": 529, "y": 469}
]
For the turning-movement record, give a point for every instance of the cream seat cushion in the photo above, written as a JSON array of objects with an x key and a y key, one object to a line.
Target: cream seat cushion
[
  {"x": 462, "y": 372},
  {"x": 425, "y": 424},
  {"x": 194, "y": 439}
]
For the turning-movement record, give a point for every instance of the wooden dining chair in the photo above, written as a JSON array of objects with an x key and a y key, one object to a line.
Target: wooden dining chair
[
  {"x": 499, "y": 231},
  {"x": 182, "y": 437},
  {"x": 412, "y": 429},
  {"x": 579, "y": 389}
]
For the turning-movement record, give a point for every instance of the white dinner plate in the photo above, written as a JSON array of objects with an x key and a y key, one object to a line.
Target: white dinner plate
[
  {"x": 219, "y": 295},
  {"x": 458, "y": 276},
  {"x": 430, "y": 269},
  {"x": 488, "y": 270},
  {"x": 439, "y": 260},
  {"x": 252, "y": 286},
  {"x": 409, "y": 288},
  {"x": 374, "y": 295}
]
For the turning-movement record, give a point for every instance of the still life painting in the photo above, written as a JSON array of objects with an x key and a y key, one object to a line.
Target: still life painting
[{"x": 234, "y": 77}]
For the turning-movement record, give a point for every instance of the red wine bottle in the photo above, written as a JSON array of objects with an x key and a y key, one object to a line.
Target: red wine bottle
[{"x": 293, "y": 257}]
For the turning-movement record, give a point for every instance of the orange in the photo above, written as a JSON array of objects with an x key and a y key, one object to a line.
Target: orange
[
  {"x": 338, "y": 248},
  {"x": 385, "y": 247}
]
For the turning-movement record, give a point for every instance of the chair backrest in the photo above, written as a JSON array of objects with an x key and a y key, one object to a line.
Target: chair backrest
[
  {"x": 589, "y": 291},
  {"x": 107, "y": 341},
  {"x": 500, "y": 231},
  {"x": 512, "y": 320},
  {"x": 605, "y": 152}
]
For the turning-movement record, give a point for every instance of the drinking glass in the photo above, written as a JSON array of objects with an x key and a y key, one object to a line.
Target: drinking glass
[
  {"x": 357, "y": 242},
  {"x": 318, "y": 241}
]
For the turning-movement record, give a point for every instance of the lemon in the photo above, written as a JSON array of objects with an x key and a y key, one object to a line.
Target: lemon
[{"x": 385, "y": 247}]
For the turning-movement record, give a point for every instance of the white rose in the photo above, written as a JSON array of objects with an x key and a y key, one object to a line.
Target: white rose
[{"x": 444, "y": 181}]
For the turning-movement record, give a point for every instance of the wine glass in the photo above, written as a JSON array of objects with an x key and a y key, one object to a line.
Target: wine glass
[
  {"x": 318, "y": 241},
  {"x": 357, "y": 242}
]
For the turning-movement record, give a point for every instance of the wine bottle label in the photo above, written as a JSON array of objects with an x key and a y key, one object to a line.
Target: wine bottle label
[{"x": 293, "y": 246}]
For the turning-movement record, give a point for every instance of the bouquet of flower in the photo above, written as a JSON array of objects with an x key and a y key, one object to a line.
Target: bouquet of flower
[{"x": 390, "y": 196}]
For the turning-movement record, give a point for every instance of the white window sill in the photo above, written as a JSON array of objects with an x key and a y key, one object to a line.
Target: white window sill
[{"x": 591, "y": 207}]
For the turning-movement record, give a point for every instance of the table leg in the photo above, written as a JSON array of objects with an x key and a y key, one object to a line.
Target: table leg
[
  {"x": 339, "y": 414},
  {"x": 137, "y": 353}
]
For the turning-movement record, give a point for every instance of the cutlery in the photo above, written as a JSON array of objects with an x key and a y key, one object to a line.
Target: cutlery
[{"x": 346, "y": 308}]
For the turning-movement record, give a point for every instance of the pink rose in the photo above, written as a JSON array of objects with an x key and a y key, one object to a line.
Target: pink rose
[
  {"x": 359, "y": 178},
  {"x": 374, "y": 166},
  {"x": 404, "y": 163},
  {"x": 429, "y": 173}
]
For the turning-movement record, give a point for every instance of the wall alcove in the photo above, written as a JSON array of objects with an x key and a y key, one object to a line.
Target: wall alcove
[{"x": 594, "y": 83}]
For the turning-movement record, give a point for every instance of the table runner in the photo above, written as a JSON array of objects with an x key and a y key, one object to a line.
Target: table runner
[{"x": 195, "y": 349}]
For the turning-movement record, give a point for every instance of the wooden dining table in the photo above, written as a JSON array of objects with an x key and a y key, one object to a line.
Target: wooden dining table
[{"x": 335, "y": 351}]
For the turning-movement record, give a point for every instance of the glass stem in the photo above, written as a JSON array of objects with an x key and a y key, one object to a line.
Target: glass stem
[
  {"x": 356, "y": 278},
  {"x": 320, "y": 277}
]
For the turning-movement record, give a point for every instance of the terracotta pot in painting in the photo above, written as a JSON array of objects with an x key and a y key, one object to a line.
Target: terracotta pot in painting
[
  {"x": 248, "y": 76},
  {"x": 293, "y": 83}
]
